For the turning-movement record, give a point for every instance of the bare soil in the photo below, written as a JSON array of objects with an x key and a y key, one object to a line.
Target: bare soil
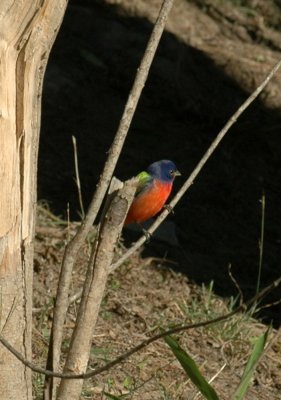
[{"x": 212, "y": 55}]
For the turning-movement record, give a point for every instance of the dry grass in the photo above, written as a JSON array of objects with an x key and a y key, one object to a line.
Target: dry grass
[{"x": 142, "y": 296}]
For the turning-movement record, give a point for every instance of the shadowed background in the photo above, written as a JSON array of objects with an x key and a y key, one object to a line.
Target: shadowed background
[{"x": 205, "y": 67}]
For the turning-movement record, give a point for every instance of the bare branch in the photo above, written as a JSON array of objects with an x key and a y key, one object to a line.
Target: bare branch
[
  {"x": 73, "y": 247},
  {"x": 199, "y": 166},
  {"x": 94, "y": 286},
  {"x": 77, "y": 179}
]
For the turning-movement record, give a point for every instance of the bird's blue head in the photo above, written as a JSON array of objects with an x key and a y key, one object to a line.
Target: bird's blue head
[{"x": 164, "y": 170}]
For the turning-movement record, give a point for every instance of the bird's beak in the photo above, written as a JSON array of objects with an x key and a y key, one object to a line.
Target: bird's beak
[{"x": 176, "y": 173}]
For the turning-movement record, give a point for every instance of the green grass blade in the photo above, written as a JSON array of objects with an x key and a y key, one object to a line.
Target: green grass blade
[
  {"x": 250, "y": 367},
  {"x": 191, "y": 369}
]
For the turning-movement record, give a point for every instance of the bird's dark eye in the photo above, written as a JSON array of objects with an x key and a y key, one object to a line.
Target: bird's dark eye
[{"x": 171, "y": 171}]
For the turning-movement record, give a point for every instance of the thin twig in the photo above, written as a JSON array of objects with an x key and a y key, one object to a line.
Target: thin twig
[
  {"x": 241, "y": 300},
  {"x": 143, "y": 344},
  {"x": 268, "y": 305},
  {"x": 10, "y": 313},
  {"x": 77, "y": 177},
  {"x": 261, "y": 242},
  {"x": 199, "y": 166}
]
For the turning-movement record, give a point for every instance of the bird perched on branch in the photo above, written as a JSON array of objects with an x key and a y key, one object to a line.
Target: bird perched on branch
[{"x": 154, "y": 188}]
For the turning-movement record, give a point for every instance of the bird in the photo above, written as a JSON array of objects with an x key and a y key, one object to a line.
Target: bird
[{"x": 153, "y": 189}]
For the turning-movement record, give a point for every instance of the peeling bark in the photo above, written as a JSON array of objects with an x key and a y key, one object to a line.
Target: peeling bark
[{"x": 27, "y": 31}]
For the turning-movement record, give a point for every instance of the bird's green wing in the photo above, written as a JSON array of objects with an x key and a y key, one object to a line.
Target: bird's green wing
[{"x": 145, "y": 180}]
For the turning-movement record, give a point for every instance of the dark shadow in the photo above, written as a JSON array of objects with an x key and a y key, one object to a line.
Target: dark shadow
[{"x": 186, "y": 101}]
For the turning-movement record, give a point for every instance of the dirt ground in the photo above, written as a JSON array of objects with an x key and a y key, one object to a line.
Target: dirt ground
[
  {"x": 141, "y": 296},
  {"x": 212, "y": 55}
]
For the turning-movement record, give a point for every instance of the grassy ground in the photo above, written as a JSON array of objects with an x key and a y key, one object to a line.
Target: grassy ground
[{"x": 142, "y": 296}]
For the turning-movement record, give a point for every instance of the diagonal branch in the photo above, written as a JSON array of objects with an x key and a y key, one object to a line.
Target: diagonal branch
[
  {"x": 199, "y": 166},
  {"x": 73, "y": 247}
]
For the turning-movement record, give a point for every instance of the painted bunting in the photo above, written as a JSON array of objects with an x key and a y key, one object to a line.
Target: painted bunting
[{"x": 154, "y": 188}]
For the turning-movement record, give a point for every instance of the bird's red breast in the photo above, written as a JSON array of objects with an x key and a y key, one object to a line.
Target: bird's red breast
[{"x": 149, "y": 203}]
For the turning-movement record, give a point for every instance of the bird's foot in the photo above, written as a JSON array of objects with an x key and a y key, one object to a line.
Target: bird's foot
[{"x": 169, "y": 208}]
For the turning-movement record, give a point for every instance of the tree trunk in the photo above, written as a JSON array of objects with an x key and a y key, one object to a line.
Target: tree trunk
[{"x": 27, "y": 31}]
